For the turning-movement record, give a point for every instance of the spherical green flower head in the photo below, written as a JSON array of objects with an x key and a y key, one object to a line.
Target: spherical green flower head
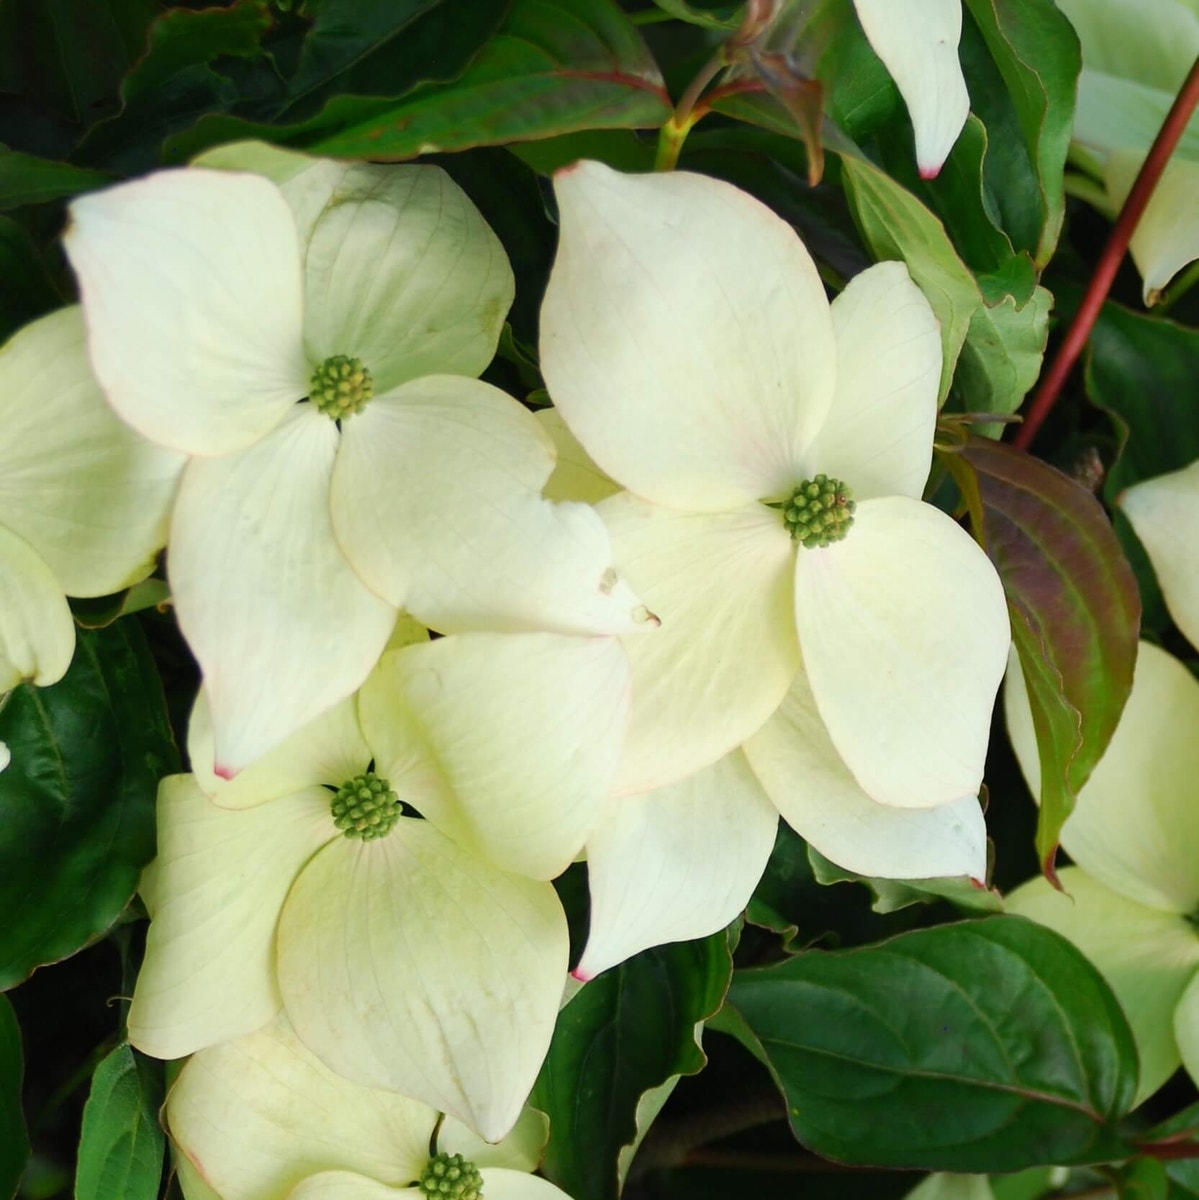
[
  {"x": 451, "y": 1177},
  {"x": 366, "y": 807},
  {"x": 341, "y": 386},
  {"x": 818, "y": 512}
]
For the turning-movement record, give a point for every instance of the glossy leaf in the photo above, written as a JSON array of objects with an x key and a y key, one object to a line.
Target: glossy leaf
[
  {"x": 987, "y": 1045},
  {"x": 1004, "y": 351},
  {"x": 555, "y": 66},
  {"x": 27, "y": 179},
  {"x": 623, "y": 1034},
  {"x": 122, "y": 1144},
  {"x": 77, "y": 800},
  {"x": 1075, "y": 616},
  {"x": 14, "y": 1142},
  {"x": 725, "y": 17},
  {"x": 1036, "y": 54}
]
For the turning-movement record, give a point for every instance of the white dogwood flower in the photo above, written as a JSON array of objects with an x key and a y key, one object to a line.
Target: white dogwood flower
[
  {"x": 774, "y": 449},
  {"x": 310, "y": 340},
  {"x": 83, "y": 499}
]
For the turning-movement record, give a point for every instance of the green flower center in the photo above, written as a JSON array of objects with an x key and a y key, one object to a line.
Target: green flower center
[
  {"x": 451, "y": 1177},
  {"x": 341, "y": 386},
  {"x": 365, "y": 807},
  {"x": 818, "y": 512}
]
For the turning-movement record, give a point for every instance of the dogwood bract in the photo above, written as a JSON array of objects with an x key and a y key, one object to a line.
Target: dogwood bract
[
  {"x": 261, "y": 1118},
  {"x": 774, "y": 450},
  {"x": 83, "y": 499},
  {"x": 402, "y": 959},
  {"x": 918, "y": 43},
  {"x": 216, "y": 301}
]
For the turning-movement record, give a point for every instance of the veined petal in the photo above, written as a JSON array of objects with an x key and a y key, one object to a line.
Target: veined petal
[
  {"x": 521, "y": 1150},
  {"x": 192, "y": 295},
  {"x": 819, "y": 798},
  {"x": 437, "y": 502},
  {"x": 878, "y": 435},
  {"x": 219, "y": 882},
  {"x": 1186, "y": 1027},
  {"x": 502, "y": 1184},
  {"x": 1134, "y": 827},
  {"x": 407, "y": 964},
  {"x": 1166, "y": 238},
  {"x": 676, "y": 863},
  {"x": 260, "y": 158},
  {"x": 1148, "y": 957},
  {"x": 258, "y": 1114},
  {"x": 726, "y": 652},
  {"x": 575, "y": 476},
  {"x": 89, "y": 494},
  {"x": 281, "y": 625},
  {"x": 37, "y": 631},
  {"x": 685, "y": 336},
  {"x": 918, "y": 43},
  {"x": 525, "y": 802},
  {"x": 191, "y": 1182},
  {"x": 905, "y": 634},
  {"x": 402, "y": 272},
  {"x": 328, "y": 750},
  {"x": 347, "y": 1185},
  {"x": 1165, "y": 514}
]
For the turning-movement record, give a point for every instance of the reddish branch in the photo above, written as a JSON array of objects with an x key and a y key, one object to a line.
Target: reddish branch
[{"x": 1109, "y": 261}]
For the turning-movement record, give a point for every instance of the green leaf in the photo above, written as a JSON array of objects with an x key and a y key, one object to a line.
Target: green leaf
[
  {"x": 624, "y": 1034},
  {"x": 27, "y": 292},
  {"x": 726, "y": 17},
  {"x": 890, "y": 895},
  {"x": 556, "y": 66},
  {"x": 988, "y": 1045},
  {"x": 1144, "y": 1179},
  {"x": 14, "y": 1141},
  {"x": 77, "y": 800},
  {"x": 26, "y": 179},
  {"x": 895, "y": 225},
  {"x": 121, "y": 1146},
  {"x": 1075, "y": 616},
  {"x": 1037, "y": 55}
]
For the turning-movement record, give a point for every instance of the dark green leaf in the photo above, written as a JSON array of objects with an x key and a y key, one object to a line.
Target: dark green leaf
[
  {"x": 121, "y": 1147},
  {"x": 1144, "y": 1179},
  {"x": 25, "y": 179},
  {"x": 628, "y": 1031},
  {"x": 1036, "y": 53},
  {"x": 725, "y": 17},
  {"x": 1075, "y": 615},
  {"x": 988, "y": 1045},
  {"x": 556, "y": 66},
  {"x": 77, "y": 800},
  {"x": 14, "y": 1142},
  {"x": 27, "y": 291}
]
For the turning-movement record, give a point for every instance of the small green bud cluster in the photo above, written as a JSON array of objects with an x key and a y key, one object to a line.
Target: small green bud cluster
[
  {"x": 365, "y": 807},
  {"x": 818, "y": 512},
  {"x": 341, "y": 386},
  {"x": 451, "y": 1177}
]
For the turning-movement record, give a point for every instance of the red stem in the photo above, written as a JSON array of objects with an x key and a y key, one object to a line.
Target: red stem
[{"x": 1109, "y": 261}]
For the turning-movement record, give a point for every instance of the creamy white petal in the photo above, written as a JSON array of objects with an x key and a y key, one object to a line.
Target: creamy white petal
[
  {"x": 904, "y": 630},
  {"x": 219, "y": 882},
  {"x": 437, "y": 501},
  {"x": 1166, "y": 238},
  {"x": 1134, "y": 827},
  {"x": 501, "y": 1184},
  {"x": 258, "y": 1114},
  {"x": 192, "y": 295},
  {"x": 521, "y": 1150},
  {"x": 261, "y": 158},
  {"x": 809, "y": 784},
  {"x": 346, "y": 1185},
  {"x": 918, "y": 43},
  {"x": 191, "y": 1182},
  {"x": 575, "y": 476},
  {"x": 328, "y": 750},
  {"x": 685, "y": 336},
  {"x": 1165, "y": 514},
  {"x": 726, "y": 652},
  {"x": 1186, "y": 1027},
  {"x": 89, "y": 494},
  {"x": 407, "y": 964},
  {"x": 526, "y": 730},
  {"x": 402, "y": 272},
  {"x": 1148, "y": 957},
  {"x": 878, "y": 435},
  {"x": 281, "y": 625},
  {"x": 37, "y": 632},
  {"x": 676, "y": 863}
]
